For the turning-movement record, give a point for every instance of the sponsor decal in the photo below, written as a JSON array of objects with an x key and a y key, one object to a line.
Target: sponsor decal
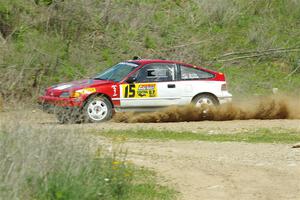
[
  {"x": 143, "y": 90},
  {"x": 80, "y": 92}
]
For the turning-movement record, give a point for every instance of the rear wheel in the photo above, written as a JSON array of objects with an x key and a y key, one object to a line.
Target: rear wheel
[
  {"x": 97, "y": 109},
  {"x": 205, "y": 100}
]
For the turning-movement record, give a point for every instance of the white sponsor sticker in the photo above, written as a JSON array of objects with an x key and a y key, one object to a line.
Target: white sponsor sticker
[
  {"x": 114, "y": 87},
  {"x": 62, "y": 87}
]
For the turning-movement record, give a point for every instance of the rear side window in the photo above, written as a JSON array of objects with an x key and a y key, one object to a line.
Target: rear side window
[{"x": 189, "y": 73}]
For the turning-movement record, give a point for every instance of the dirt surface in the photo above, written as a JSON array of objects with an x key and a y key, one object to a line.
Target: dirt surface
[
  {"x": 202, "y": 170},
  {"x": 39, "y": 119},
  {"x": 262, "y": 108},
  {"x": 209, "y": 170}
]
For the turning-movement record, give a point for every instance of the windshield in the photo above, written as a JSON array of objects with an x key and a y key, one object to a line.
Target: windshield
[{"x": 117, "y": 72}]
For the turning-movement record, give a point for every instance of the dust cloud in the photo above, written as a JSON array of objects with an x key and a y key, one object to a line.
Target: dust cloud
[{"x": 263, "y": 108}]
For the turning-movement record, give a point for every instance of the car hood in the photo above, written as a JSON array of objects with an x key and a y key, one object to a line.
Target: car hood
[{"x": 57, "y": 90}]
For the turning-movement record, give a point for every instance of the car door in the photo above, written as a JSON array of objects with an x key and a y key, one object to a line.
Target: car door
[{"x": 155, "y": 86}]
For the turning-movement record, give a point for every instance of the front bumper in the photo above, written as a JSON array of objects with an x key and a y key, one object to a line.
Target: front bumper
[
  {"x": 54, "y": 104},
  {"x": 52, "y": 109}
]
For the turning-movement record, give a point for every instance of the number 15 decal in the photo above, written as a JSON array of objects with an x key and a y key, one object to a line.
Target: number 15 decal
[{"x": 129, "y": 91}]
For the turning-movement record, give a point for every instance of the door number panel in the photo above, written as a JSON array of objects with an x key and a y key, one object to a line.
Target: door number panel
[{"x": 139, "y": 90}]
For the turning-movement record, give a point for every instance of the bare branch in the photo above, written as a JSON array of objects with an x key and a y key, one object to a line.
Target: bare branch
[
  {"x": 294, "y": 71},
  {"x": 259, "y": 54},
  {"x": 256, "y": 51}
]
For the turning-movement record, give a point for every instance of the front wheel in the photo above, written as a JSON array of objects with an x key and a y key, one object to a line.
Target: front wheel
[{"x": 97, "y": 109}]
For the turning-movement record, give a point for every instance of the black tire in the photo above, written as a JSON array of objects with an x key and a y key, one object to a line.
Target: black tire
[
  {"x": 63, "y": 117},
  {"x": 67, "y": 116},
  {"x": 207, "y": 99},
  {"x": 97, "y": 109}
]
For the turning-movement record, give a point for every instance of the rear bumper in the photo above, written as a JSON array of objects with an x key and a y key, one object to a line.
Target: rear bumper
[{"x": 223, "y": 100}]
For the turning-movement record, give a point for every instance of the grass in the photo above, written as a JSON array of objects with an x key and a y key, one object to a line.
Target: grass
[
  {"x": 42, "y": 44},
  {"x": 147, "y": 188},
  {"x": 62, "y": 165},
  {"x": 263, "y": 135}
]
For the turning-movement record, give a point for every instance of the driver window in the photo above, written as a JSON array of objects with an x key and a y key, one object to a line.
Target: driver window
[{"x": 156, "y": 72}]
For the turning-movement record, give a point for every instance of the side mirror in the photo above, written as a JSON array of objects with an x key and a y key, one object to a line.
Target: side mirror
[
  {"x": 136, "y": 58},
  {"x": 131, "y": 79}
]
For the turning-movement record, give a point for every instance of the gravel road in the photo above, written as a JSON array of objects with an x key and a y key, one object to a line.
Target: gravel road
[{"x": 211, "y": 170}]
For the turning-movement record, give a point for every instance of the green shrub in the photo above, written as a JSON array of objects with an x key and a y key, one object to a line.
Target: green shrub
[{"x": 58, "y": 165}]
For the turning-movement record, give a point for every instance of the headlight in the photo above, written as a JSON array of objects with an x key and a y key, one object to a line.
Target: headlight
[{"x": 78, "y": 93}]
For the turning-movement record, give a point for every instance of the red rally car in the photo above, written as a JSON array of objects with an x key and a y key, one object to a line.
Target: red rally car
[{"x": 135, "y": 85}]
